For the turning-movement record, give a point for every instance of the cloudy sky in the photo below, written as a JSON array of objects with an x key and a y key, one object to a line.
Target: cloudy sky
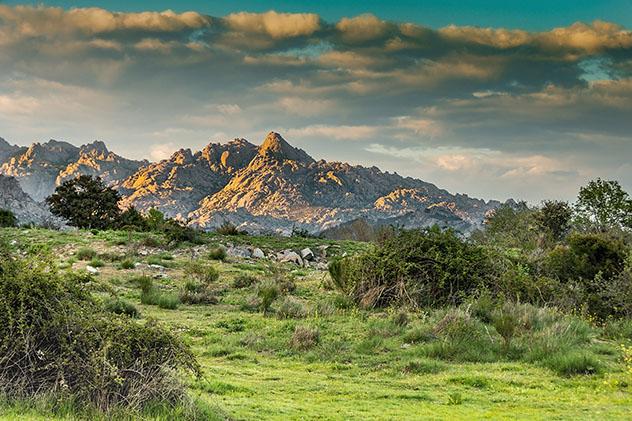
[{"x": 485, "y": 99}]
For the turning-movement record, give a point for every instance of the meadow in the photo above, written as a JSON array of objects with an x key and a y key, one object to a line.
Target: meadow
[{"x": 313, "y": 354}]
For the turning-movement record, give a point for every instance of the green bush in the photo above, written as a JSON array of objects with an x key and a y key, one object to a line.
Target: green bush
[
  {"x": 85, "y": 253},
  {"x": 7, "y": 219},
  {"x": 573, "y": 364},
  {"x": 267, "y": 291},
  {"x": 127, "y": 264},
  {"x": 201, "y": 272},
  {"x": 121, "y": 306},
  {"x": 56, "y": 340},
  {"x": 462, "y": 338},
  {"x": 244, "y": 281},
  {"x": 145, "y": 283},
  {"x": 197, "y": 293},
  {"x": 422, "y": 268},
  {"x": 96, "y": 263},
  {"x": 217, "y": 253},
  {"x": 291, "y": 308},
  {"x": 168, "y": 301}
]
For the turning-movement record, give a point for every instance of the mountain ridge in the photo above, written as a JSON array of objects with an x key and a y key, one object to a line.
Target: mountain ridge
[{"x": 273, "y": 187}]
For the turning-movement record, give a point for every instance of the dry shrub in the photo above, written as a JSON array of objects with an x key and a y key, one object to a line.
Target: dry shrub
[{"x": 304, "y": 338}]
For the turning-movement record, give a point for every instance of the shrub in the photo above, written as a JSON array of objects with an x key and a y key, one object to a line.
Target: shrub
[
  {"x": 201, "y": 272},
  {"x": 85, "y": 253},
  {"x": 7, "y": 219},
  {"x": 96, "y": 263},
  {"x": 56, "y": 340},
  {"x": 574, "y": 363},
  {"x": 127, "y": 264},
  {"x": 177, "y": 233},
  {"x": 462, "y": 338},
  {"x": 244, "y": 281},
  {"x": 267, "y": 291},
  {"x": 151, "y": 241},
  {"x": 304, "y": 338},
  {"x": 217, "y": 253},
  {"x": 197, "y": 293},
  {"x": 121, "y": 306},
  {"x": 291, "y": 308},
  {"x": 422, "y": 268},
  {"x": 228, "y": 229},
  {"x": 145, "y": 283},
  {"x": 150, "y": 296},
  {"x": 168, "y": 301}
]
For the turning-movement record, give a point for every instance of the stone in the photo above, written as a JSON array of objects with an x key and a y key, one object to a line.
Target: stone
[
  {"x": 92, "y": 270},
  {"x": 290, "y": 256},
  {"x": 157, "y": 267},
  {"x": 257, "y": 253},
  {"x": 238, "y": 251},
  {"x": 307, "y": 254}
]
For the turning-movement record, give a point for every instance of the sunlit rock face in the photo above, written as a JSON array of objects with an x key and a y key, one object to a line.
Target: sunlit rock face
[
  {"x": 273, "y": 187},
  {"x": 43, "y": 166}
]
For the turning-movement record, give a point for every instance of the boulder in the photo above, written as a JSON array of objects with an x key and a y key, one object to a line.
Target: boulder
[
  {"x": 307, "y": 254},
  {"x": 238, "y": 251},
  {"x": 290, "y": 256},
  {"x": 257, "y": 253},
  {"x": 92, "y": 270}
]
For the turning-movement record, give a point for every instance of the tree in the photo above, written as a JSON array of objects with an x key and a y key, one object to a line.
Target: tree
[
  {"x": 7, "y": 219},
  {"x": 512, "y": 225},
  {"x": 86, "y": 203},
  {"x": 132, "y": 219},
  {"x": 554, "y": 217},
  {"x": 603, "y": 204}
]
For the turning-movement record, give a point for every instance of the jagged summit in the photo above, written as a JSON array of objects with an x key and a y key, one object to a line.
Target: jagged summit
[
  {"x": 96, "y": 148},
  {"x": 275, "y": 146},
  {"x": 270, "y": 187}
]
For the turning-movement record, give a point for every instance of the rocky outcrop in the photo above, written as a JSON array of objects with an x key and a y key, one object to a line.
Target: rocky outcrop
[
  {"x": 176, "y": 185},
  {"x": 272, "y": 188},
  {"x": 26, "y": 210},
  {"x": 43, "y": 166},
  {"x": 283, "y": 188}
]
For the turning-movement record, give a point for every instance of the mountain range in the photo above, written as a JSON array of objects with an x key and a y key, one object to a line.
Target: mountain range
[{"x": 273, "y": 187}]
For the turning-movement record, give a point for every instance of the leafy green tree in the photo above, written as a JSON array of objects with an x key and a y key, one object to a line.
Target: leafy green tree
[
  {"x": 132, "y": 219},
  {"x": 7, "y": 218},
  {"x": 86, "y": 203},
  {"x": 603, "y": 205},
  {"x": 554, "y": 217},
  {"x": 512, "y": 226},
  {"x": 155, "y": 219}
]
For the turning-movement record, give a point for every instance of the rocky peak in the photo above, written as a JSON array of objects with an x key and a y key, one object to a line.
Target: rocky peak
[
  {"x": 7, "y": 150},
  {"x": 95, "y": 149},
  {"x": 274, "y": 146},
  {"x": 183, "y": 156}
]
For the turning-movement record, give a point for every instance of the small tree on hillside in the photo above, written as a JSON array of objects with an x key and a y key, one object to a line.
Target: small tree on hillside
[
  {"x": 86, "y": 203},
  {"x": 554, "y": 217},
  {"x": 603, "y": 204}
]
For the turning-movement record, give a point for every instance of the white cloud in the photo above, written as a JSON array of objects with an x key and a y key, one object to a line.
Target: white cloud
[
  {"x": 334, "y": 132},
  {"x": 162, "y": 151}
]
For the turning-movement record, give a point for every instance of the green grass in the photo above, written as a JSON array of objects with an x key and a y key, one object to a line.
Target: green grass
[{"x": 364, "y": 364}]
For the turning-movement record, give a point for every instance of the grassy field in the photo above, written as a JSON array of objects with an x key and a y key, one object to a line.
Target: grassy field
[{"x": 360, "y": 364}]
